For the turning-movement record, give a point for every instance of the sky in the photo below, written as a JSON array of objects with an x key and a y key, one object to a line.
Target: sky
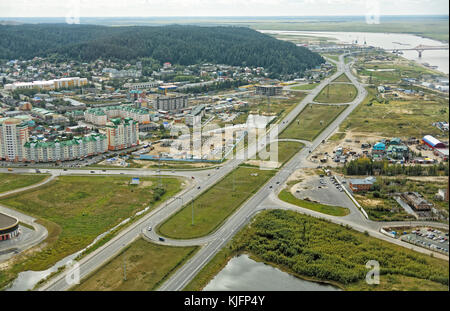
[{"x": 167, "y": 8}]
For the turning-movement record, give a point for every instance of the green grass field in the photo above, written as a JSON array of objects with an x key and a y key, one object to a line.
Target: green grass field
[
  {"x": 317, "y": 250},
  {"x": 397, "y": 118},
  {"x": 286, "y": 150},
  {"x": 213, "y": 206},
  {"x": 305, "y": 87},
  {"x": 337, "y": 93},
  {"x": 332, "y": 56},
  {"x": 391, "y": 70},
  {"x": 434, "y": 28},
  {"x": 76, "y": 209},
  {"x": 342, "y": 78},
  {"x": 287, "y": 196},
  {"x": 10, "y": 182},
  {"x": 278, "y": 107},
  {"x": 308, "y": 125},
  {"x": 148, "y": 265}
]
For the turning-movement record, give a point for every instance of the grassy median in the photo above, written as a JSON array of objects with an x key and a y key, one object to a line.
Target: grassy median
[
  {"x": 342, "y": 78},
  {"x": 311, "y": 121},
  {"x": 10, "y": 182},
  {"x": 216, "y": 204},
  {"x": 147, "y": 266},
  {"x": 288, "y": 197},
  {"x": 337, "y": 93}
]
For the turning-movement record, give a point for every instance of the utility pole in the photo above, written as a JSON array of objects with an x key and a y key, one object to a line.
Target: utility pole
[
  {"x": 233, "y": 181},
  {"x": 124, "y": 267},
  {"x": 159, "y": 170}
]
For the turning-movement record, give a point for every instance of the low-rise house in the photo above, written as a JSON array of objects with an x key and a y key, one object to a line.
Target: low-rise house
[
  {"x": 357, "y": 185},
  {"x": 416, "y": 201}
]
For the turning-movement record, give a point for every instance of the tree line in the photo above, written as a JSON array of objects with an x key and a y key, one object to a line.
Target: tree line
[
  {"x": 183, "y": 45},
  {"x": 366, "y": 166}
]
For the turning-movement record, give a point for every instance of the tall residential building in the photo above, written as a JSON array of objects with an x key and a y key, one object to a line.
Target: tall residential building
[
  {"x": 13, "y": 136},
  {"x": 122, "y": 134},
  {"x": 170, "y": 103}
]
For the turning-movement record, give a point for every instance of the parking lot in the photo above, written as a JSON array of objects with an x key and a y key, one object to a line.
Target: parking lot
[
  {"x": 429, "y": 238},
  {"x": 324, "y": 190}
]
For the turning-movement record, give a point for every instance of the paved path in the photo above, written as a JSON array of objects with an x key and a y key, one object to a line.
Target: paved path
[{"x": 32, "y": 238}]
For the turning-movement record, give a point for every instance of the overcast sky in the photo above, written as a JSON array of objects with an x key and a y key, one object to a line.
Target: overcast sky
[{"x": 157, "y": 8}]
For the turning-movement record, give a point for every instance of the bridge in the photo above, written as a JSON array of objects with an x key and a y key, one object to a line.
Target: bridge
[{"x": 420, "y": 48}]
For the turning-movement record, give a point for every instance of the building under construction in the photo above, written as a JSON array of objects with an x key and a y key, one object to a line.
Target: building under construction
[{"x": 268, "y": 90}]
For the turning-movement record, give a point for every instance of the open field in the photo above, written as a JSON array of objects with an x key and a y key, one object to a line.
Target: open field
[
  {"x": 278, "y": 107},
  {"x": 311, "y": 121},
  {"x": 337, "y": 93},
  {"x": 287, "y": 196},
  {"x": 317, "y": 250},
  {"x": 10, "y": 182},
  {"x": 213, "y": 206},
  {"x": 396, "y": 118},
  {"x": 332, "y": 56},
  {"x": 305, "y": 87},
  {"x": 429, "y": 27},
  {"x": 147, "y": 266},
  {"x": 76, "y": 209},
  {"x": 391, "y": 71}
]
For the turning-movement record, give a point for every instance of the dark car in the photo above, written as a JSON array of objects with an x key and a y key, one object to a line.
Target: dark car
[{"x": 162, "y": 239}]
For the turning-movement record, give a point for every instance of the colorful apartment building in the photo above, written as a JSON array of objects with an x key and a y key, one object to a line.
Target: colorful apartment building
[
  {"x": 100, "y": 116},
  {"x": 49, "y": 85},
  {"x": 13, "y": 136},
  {"x": 122, "y": 133},
  {"x": 76, "y": 148}
]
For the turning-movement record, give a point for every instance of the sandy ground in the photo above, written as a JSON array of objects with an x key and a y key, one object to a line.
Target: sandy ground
[{"x": 349, "y": 142}]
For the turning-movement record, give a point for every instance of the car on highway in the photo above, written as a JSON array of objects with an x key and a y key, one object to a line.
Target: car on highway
[
  {"x": 92, "y": 172},
  {"x": 161, "y": 239},
  {"x": 198, "y": 187},
  {"x": 149, "y": 228}
]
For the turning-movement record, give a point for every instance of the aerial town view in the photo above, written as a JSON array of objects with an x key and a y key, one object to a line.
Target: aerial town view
[{"x": 213, "y": 146}]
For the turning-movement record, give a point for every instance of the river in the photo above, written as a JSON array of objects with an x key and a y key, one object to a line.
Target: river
[
  {"x": 439, "y": 58},
  {"x": 244, "y": 274}
]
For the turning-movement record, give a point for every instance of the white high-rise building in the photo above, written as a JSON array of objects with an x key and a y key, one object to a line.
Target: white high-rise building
[{"x": 13, "y": 135}]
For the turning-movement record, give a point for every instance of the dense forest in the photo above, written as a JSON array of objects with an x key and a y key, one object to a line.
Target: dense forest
[{"x": 184, "y": 45}]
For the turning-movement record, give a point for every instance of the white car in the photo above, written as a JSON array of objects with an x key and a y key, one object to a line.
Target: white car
[{"x": 149, "y": 228}]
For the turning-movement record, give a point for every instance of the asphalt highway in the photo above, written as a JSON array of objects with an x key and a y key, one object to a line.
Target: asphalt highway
[{"x": 265, "y": 198}]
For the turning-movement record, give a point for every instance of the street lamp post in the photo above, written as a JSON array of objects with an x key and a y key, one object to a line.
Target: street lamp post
[{"x": 124, "y": 266}]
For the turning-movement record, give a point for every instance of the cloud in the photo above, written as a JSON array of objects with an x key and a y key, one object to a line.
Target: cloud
[{"x": 216, "y": 7}]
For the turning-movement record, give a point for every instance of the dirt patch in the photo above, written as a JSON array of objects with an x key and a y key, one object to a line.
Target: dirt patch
[
  {"x": 266, "y": 164},
  {"x": 145, "y": 183},
  {"x": 371, "y": 202}
]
